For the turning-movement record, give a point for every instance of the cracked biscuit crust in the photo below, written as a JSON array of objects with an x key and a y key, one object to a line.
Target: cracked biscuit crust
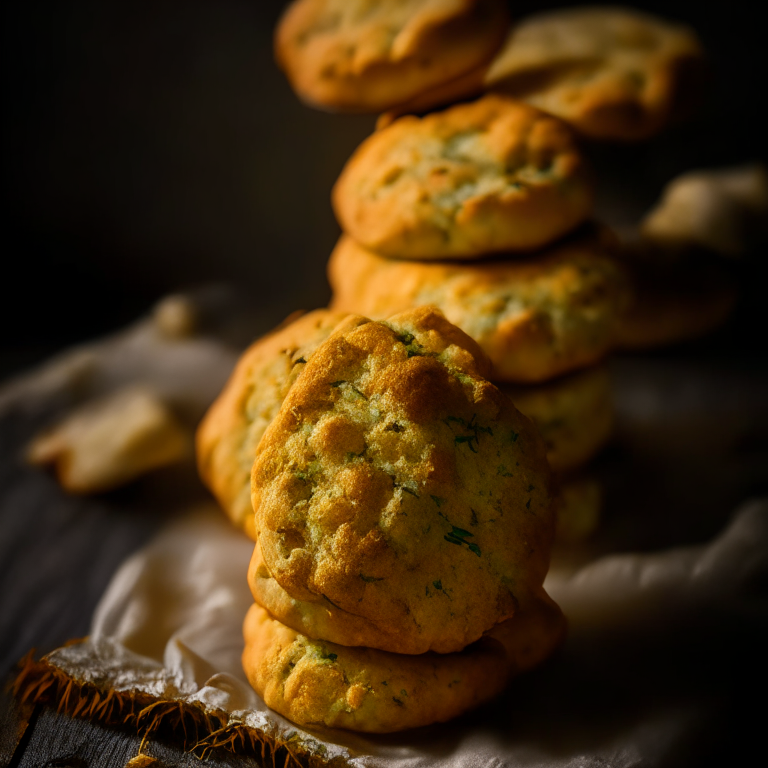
[
  {"x": 315, "y": 682},
  {"x": 361, "y": 56},
  {"x": 536, "y": 318},
  {"x": 492, "y": 175},
  {"x": 399, "y": 485},
  {"x": 612, "y": 73},
  {"x": 228, "y": 435}
]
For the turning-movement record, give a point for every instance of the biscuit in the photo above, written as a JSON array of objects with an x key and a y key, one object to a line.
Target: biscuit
[
  {"x": 487, "y": 176},
  {"x": 574, "y": 414},
  {"x": 536, "y": 318},
  {"x": 229, "y": 433},
  {"x": 611, "y": 73},
  {"x": 112, "y": 441},
  {"x": 674, "y": 299},
  {"x": 399, "y": 485},
  {"x": 357, "y": 56},
  {"x": 315, "y": 682}
]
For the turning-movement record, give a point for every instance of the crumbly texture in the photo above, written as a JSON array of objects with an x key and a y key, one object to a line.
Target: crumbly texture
[
  {"x": 536, "y": 317},
  {"x": 477, "y": 178},
  {"x": 612, "y": 73},
  {"x": 315, "y": 682},
  {"x": 399, "y": 485},
  {"x": 111, "y": 442},
  {"x": 574, "y": 414},
  {"x": 362, "y": 56},
  {"x": 228, "y": 435},
  {"x": 674, "y": 299}
]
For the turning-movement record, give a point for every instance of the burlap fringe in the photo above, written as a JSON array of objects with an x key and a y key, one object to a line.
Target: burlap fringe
[{"x": 198, "y": 731}]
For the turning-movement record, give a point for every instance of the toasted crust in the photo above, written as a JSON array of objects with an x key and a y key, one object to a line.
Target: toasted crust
[
  {"x": 228, "y": 435},
  {"x": 536, "y": 317},
  {"x": 399, "y": 485},
  {"x": 314, "y": 682},
  {"x": 487, "y": 176},
  {"x": 351, "y": 55},
  {"x": 574, "y": 415},
  {"x": 611, "y": 73}
]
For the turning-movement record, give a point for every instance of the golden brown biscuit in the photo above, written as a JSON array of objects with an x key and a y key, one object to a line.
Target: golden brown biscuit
[
  {"x": 228, "y": 435},
  {"x": 398, "y": 485},
  {"x": 112, "y": 441},
  {"x": 314, "y": 682},
  {"x": 574, "y": 414},
  {"x": 612, "y": 73},
  {"x": 360, "y": 56},
  {"x": 477, "y": 178},
  {"x": 536, "y": 318},
  {"x": 673, "y": 299}
]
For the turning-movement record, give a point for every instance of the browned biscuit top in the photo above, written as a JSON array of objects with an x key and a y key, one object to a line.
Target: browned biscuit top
[
  {"x": 228, "y": 435},
  {"x": 399, "y": 485},
  {"x": 612, "y": 73},
  {"x": 536, "y": 318},
  {"x": 363, "y": 56},
  {"x": 491, "y": 175}
]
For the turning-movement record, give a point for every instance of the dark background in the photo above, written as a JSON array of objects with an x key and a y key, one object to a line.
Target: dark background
[{"x": 149, "y": 147}]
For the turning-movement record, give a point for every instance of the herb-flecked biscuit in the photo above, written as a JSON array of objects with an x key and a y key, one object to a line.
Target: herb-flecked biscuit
[
  {"x": 574, "y": 414},
  {"x": 315, "y": 682},
  {"x": 359, "y": 56},
  {"x": 228, "y": 435},
  {"x": 536, "y": 318},
  {"x": 399, "y": 485},
  {"x": 477, "y": 178},
  {"x": 612, "y": 73}
]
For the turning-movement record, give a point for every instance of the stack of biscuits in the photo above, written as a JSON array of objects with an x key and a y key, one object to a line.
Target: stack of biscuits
[
  {"x": 403, "y": 508},
  {"x": 403, "y": 517},
  {"x": 482, "y": 211}
]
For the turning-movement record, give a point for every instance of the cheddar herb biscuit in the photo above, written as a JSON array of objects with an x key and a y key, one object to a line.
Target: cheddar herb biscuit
[
  {"x": 228, "y": 435},
  {"x": 536, "y": 318},
  {"x": 398, "y": 484},
  {"x": 612, "y": 73},
  {"x": 574, "y": 414},
  {"x": 315, "y": 682},
  {"x": 360, "y": 56},
  {"x": 491, "y": 175}
]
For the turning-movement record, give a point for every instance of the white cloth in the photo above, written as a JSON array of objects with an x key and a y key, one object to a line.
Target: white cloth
[{"x": 170, "y": 625}]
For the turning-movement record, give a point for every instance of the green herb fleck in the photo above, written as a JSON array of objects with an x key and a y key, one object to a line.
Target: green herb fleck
[
  {"x": 394, "y": 427},
  {"x": 502, "y": 470},
  {"x": 437, "y": 500},
  {"x": 473, "y": 520},
  {"x": 371, "y": 579},
  {"x": 406, "y": 489},
  {"x": 437, "y": 584},
  {"x": 458, "y": 536},
  {"x": 300, "y": 360},
  {"x": 513, "y": 436},
  {"x": 530, "y": 488},
  {"x": 329, "y": 656},
  {"x": 338, "y": 383},
  {"x": 528, "y": 504},
  {"x": 398, "y": 702}
]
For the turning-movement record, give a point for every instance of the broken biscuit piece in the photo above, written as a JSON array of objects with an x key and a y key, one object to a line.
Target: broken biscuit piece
[{"x": 108, "y": 443}]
